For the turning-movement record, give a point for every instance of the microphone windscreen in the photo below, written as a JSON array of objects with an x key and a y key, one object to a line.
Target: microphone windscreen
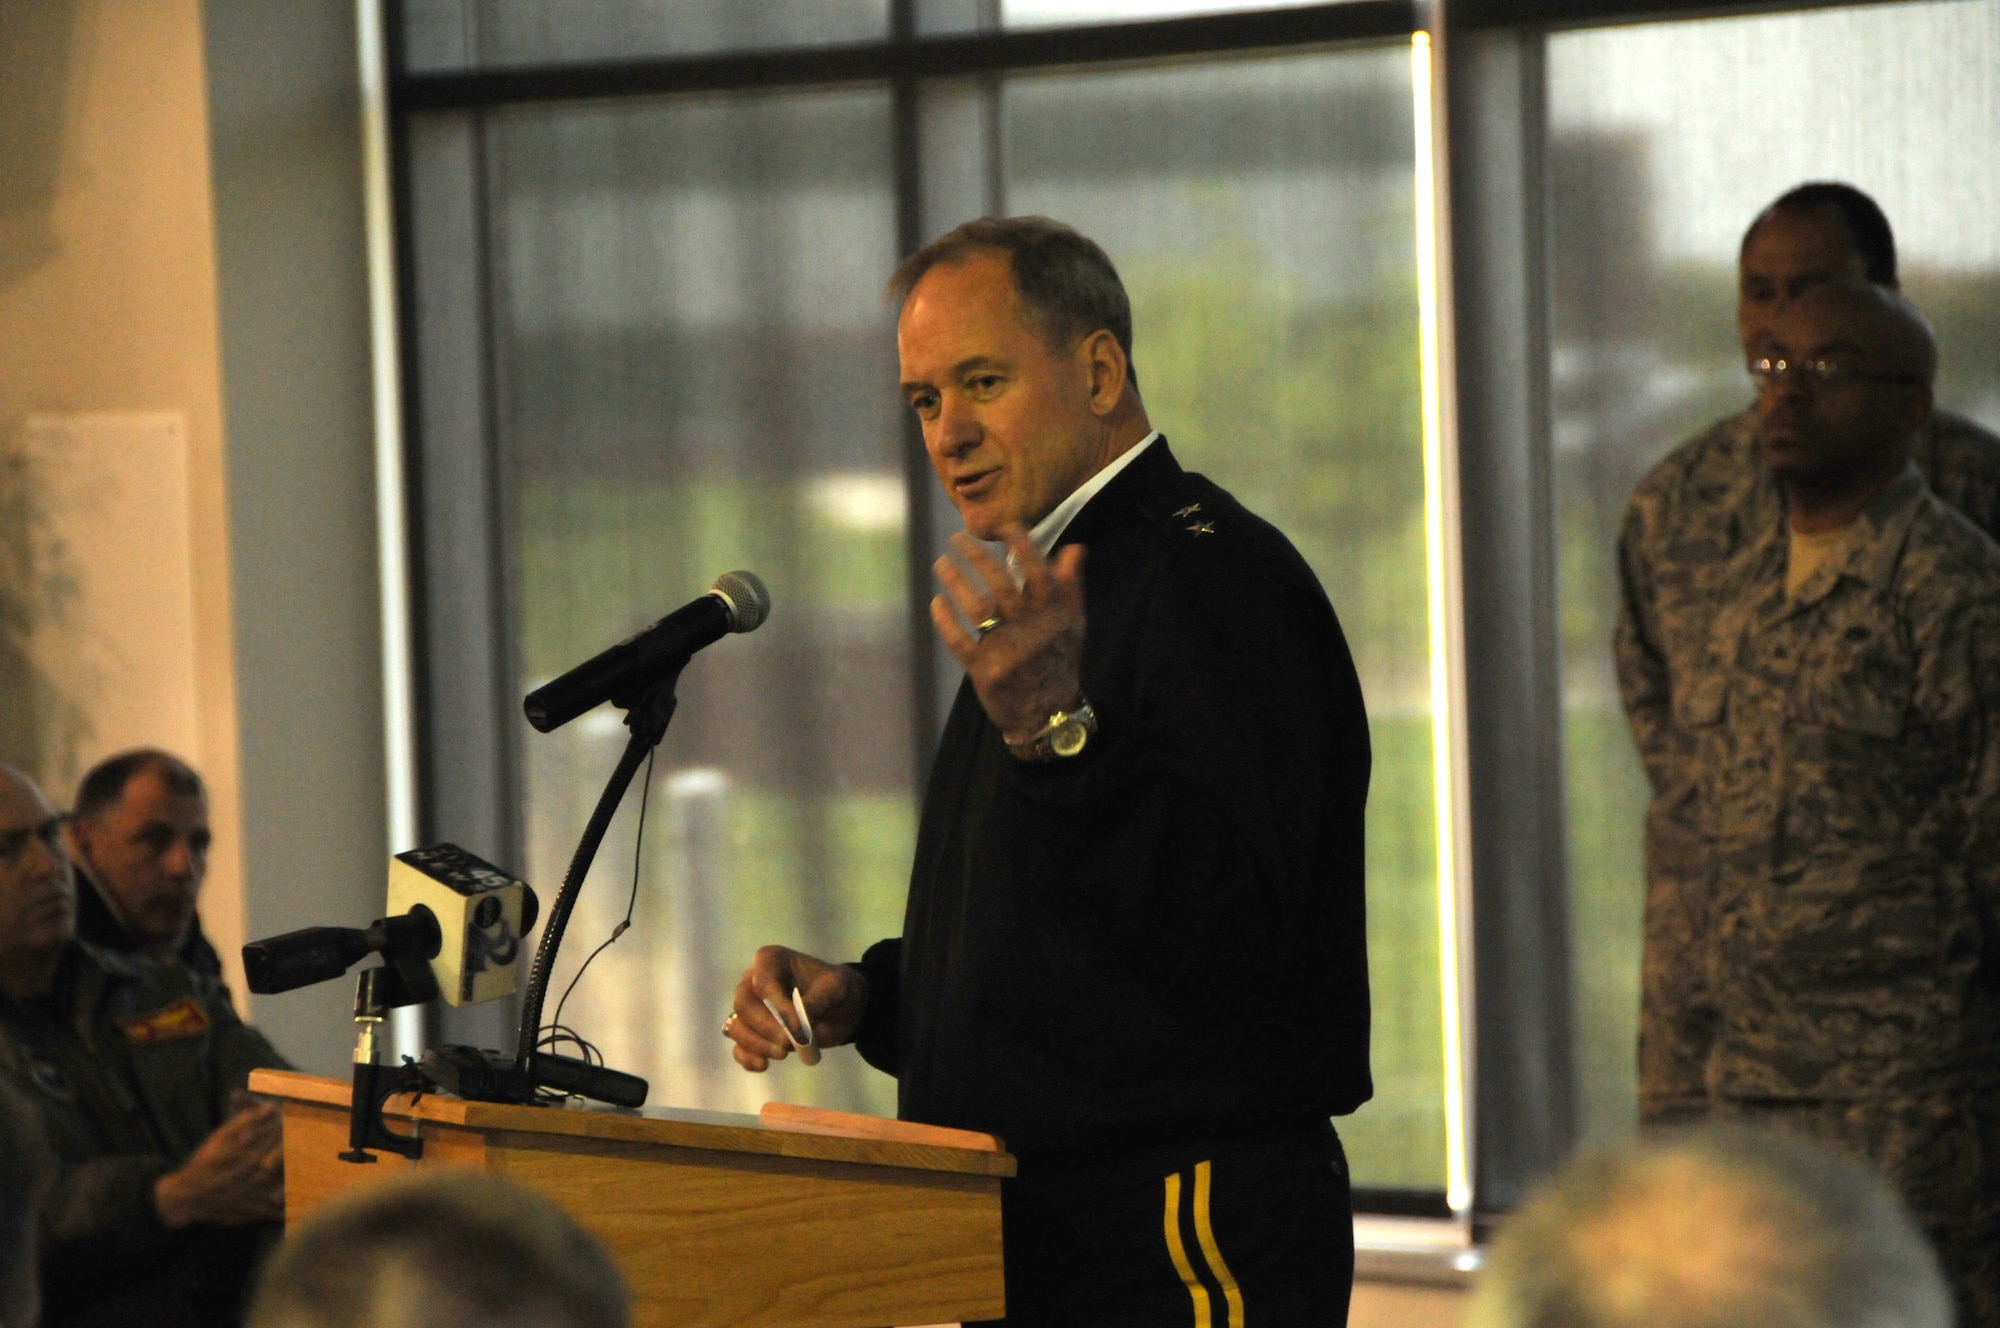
[{"x": 749, "y": 602}]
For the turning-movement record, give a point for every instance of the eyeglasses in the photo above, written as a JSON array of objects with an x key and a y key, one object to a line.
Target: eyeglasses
[
  {"x": 13, "y": 843},
  {"x": 1770, "y": 373}
]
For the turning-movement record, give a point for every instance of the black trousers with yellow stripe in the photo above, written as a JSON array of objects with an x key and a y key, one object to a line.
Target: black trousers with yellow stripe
[{"x": 1254, "y": 1233}]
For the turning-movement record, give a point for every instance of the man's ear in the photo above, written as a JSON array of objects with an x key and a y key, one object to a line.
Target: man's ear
[{"x": 1109, "y": 370}]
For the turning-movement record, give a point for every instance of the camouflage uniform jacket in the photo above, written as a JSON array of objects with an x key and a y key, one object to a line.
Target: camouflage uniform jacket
[
  {"x": 1834, "y": 772},
  {"x": 131, "y": 1063},
  {"x": 1696, "y": 510},
  {"x": 1688, "y": 523}
]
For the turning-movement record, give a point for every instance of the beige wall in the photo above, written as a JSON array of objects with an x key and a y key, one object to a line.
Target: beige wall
[{"x": 108, "y": 304}]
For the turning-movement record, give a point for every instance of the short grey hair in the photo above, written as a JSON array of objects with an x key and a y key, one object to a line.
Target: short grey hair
[
  {"x": 1066, "y": 282},
  {"x": 1713, "y": 1228},
  {"x": 442, "y": 1249}
]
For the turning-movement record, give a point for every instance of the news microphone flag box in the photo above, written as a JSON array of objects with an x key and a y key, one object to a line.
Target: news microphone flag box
[{"x": 478, "y": 908}]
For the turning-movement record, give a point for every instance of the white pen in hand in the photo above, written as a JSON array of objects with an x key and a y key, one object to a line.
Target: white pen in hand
[{"x": 807, "y": 1045}]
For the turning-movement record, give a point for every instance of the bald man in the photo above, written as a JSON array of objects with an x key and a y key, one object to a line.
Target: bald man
[
  {"x": 1691, "y": 515},
  {"x": 1841, "y": 761},
  {"x": 169, "y": 1180}
]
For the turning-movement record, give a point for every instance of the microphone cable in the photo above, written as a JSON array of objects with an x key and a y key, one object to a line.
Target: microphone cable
[{"x": 556, "y": 1033}]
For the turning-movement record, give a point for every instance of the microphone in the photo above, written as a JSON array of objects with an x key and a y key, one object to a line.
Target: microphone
[{"x": 737, "y": 602}]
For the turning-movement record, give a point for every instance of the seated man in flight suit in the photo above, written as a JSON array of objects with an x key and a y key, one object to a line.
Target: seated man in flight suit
[{"x": 169, "y": 1181}]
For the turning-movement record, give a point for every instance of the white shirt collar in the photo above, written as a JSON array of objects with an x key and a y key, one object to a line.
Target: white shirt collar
[{"x": 1050, "y": 528}]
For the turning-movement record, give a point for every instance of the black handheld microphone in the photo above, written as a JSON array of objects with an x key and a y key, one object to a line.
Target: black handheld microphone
[{"x": 737, "y": 602}]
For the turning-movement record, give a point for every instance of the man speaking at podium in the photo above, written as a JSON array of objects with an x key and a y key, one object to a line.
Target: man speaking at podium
[{"x": 1134, "y": 944}]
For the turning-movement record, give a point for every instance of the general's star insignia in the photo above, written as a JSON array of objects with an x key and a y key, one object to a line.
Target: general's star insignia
[
  {"x": 1202, "y": 528},
  {"x": 1188, "y": 511}
]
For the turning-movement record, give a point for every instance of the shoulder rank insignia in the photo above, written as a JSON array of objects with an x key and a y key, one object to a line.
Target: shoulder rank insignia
[
  {"x": 183, "y": 1019},
  {"x": 1202, "y": 528},
  {"x": 1188, "y": 511}
]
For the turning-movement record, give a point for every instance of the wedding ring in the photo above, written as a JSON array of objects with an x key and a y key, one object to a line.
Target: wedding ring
[
  {"x": 988, "y": 624},
  {"x": 727, "y": 1022}
]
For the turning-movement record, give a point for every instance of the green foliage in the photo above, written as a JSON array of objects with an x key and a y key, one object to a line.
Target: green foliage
[
  {"x": 1607, "y": 795},
  {"x": 1397, "y": 1140},
  {"x": 863, "y": 884},
  {"x": 668, "y": 539},
  {"x": 1310, "y": 414}
]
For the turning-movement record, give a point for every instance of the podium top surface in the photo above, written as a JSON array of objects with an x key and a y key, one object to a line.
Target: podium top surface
[{"x": 673, "y": 1127}]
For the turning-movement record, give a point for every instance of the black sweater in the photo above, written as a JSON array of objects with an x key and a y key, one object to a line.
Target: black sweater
[{"x": 1161, "y": 939}]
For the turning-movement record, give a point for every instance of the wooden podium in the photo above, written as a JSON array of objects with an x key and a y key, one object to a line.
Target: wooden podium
[{"x": 714, "y": 1218}]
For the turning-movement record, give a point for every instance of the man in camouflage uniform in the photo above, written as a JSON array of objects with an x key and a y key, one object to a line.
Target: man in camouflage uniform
[
  {"x": 1828, "y": 768},
  {"x": 1692, "y": 513},
  {"x": 169, "y": 1178}
]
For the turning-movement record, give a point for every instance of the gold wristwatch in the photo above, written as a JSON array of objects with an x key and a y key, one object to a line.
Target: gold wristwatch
[{"x": 1066, "y": 734}]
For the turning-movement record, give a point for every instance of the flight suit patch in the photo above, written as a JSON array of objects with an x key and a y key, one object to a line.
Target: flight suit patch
[{"x": 183, "y": 1019}]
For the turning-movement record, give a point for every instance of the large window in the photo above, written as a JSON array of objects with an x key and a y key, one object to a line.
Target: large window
[
  {"x": 671, "y": 306},
  {"x": 644, "y": 249}
]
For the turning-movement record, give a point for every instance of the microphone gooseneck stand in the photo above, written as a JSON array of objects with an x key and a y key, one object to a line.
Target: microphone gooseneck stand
[{"x": 648, "y": 720}]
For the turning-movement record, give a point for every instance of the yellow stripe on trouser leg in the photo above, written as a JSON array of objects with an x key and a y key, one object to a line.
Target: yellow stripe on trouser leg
[
  {"x": 1205, "y": 1233},
  {"x": 1196, "y": 1291}
]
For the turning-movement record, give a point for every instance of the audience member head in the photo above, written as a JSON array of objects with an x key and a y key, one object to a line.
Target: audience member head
[
  {"x": 141, "y": 830},
  {"x": 1713, "y": 1229},
  {"x": 1845, "y": 373},
  {"x": 443, "y": 1249},
  {"x": 37, "y": 897},
  {"x": 25, "y": 1168},
  {"x": 1821, "y": 231}
]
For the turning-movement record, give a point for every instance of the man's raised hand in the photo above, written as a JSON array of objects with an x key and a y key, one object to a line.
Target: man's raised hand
[{"x": 1028, "y": 663}]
